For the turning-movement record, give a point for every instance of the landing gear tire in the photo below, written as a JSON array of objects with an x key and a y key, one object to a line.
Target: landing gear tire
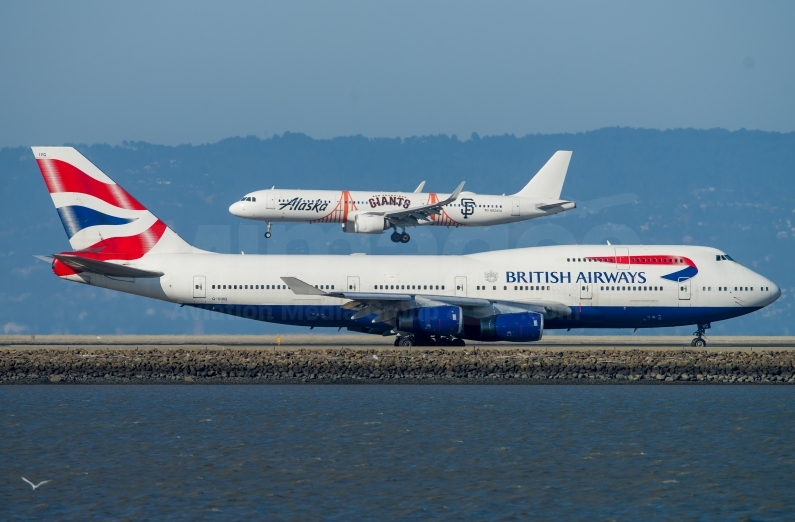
[
  {"x": 395, "y": 237},
  {"x": 406, "y": 342},
  {"x": 405, "y": 238},
  {"x": 267, "y": 235},
  {"x": 699, "y": 341}
]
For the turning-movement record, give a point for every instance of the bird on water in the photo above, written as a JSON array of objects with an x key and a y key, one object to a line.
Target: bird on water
[{"x": 34, "y": 486}]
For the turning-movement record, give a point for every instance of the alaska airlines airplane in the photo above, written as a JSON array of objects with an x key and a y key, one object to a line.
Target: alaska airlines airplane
[
  {"x": 510, "y": 295},
  {"x": 362, "y": 212}
]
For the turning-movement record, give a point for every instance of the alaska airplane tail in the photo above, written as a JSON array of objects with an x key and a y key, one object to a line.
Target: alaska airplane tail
[
  {"x": 102, "y": 221},
  {"x": 548, "y": 182}
]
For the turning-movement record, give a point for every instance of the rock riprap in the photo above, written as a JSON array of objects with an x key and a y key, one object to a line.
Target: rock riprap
[{"x": 480, "y": 366}]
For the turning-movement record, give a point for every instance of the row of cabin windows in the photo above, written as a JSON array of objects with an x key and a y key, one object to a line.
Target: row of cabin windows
[
  {"x": 249, "y": 287},
  {"x": 631, "y": 288},
  {"x": 482, "y": 287},
  {"x": 365, "y": 202},
  {"x": 406, "y": 287},
  {"x": 620, "y": 259},
  {"x": 736, "y": 288}
]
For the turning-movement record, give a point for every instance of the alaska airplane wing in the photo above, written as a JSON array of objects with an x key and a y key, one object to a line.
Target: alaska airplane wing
[
  {"x": 387, "y": 305},
  {"x": 105, "y": 268},
  {"x": 413, "y": 216}
]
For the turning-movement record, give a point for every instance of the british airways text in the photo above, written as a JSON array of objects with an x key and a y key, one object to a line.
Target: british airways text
[{"x": 582, "y": 277}]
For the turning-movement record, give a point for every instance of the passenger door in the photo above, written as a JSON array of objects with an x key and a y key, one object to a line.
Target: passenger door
[
  {"x": 353, "y": 284},
  {"x": 270, "y": 199},
  {"x": 586, "y": 292},
  {"x": 198, "y": 286},
  {"x": 515, "y": 211},
  {"x": 684, "y": 289},
  {"x": 461, "y": 286}
]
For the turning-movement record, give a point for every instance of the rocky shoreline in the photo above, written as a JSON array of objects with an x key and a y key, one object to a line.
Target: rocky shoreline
[{"x": 105, "y": 365}]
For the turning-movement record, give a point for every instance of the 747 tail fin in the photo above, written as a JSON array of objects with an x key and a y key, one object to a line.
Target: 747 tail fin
[{"x": 101, "y": 219}]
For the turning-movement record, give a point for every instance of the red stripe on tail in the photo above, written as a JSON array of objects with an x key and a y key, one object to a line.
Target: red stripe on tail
[
  {"x": 64, "y": 177},
  {"x": 126, "y": 248}
]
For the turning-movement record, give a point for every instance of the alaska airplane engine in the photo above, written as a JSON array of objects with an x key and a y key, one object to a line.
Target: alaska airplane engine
[
  {"x": 523, "y": 327},
  {"x": 431, "y": 320},
  {"x": 365, "y": 224}
]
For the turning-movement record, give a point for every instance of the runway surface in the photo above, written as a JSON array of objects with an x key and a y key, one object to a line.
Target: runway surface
[{"x": 372, "y": 342}]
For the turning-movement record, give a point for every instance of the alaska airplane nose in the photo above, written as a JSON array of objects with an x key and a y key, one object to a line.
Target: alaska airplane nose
[{"x": 237, "y": 209}]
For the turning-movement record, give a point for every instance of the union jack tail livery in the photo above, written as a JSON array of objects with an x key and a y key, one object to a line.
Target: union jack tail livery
[{"x": 102, "y": 221}]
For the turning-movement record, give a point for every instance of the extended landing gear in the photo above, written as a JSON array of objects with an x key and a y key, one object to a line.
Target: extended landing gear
[
  {"x": 268, "y": 232},
  {"x": 699, "y": 341},
  {"x": 400, "y": 237},
  {"x": 407, "y": 341}
]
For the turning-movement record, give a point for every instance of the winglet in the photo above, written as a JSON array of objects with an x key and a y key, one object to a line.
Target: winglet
[
  {"x": 418, "y": 190},
  {"x": 453, "y": 196},
  {"x": 548, "y": 182},
  {"x": 301, "y": 288}
]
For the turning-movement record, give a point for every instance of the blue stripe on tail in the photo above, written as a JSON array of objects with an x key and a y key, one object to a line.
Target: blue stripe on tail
[{"x": 76, "y": 218}]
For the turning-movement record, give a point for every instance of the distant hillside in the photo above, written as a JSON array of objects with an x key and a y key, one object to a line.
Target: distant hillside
[{"x": 732, "y": 190}]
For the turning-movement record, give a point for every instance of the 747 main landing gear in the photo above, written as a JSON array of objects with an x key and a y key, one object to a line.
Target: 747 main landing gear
[
  {"x": 400, "y": 237},
  {"x": 268, "y": 233},
  {"x": 699, "y": 341}
]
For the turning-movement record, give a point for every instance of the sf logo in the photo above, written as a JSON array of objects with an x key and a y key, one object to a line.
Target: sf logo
[{"x": 467, "y": 207}]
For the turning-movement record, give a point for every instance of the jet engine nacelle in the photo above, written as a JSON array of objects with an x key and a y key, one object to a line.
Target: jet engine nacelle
[
  {"x": 365, "y": 224},
  {"x": 432, "y": 320},
  {"x": 522, "y": 327}
]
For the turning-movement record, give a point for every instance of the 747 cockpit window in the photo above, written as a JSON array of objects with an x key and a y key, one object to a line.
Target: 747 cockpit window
[{"x": 723, "y": 257}]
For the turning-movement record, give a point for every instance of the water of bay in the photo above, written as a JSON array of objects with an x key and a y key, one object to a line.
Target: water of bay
[{"x": 375, "y": 452}]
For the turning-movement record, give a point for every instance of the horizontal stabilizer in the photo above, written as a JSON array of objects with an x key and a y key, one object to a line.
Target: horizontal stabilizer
[
  {"x": 105, "y": 268},
  {"x": 548, "y": 182},
  {"x": 559, "y": 206}
]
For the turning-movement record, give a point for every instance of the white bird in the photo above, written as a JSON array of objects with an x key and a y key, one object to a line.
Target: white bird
[{"x": 34, "y": 486}]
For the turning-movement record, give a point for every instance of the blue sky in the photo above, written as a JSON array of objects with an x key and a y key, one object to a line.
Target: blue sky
[{"x": 197, "y": 72}]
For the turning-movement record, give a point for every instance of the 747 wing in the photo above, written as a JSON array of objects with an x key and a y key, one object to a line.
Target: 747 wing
[{"x": 386, "y": 306}]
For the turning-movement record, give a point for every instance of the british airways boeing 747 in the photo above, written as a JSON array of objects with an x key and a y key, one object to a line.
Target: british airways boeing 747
[{"x": 510, "y": 295}]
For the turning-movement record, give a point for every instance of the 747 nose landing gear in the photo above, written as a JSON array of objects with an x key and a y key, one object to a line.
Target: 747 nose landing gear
[{"x": 699, "y": 341}]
